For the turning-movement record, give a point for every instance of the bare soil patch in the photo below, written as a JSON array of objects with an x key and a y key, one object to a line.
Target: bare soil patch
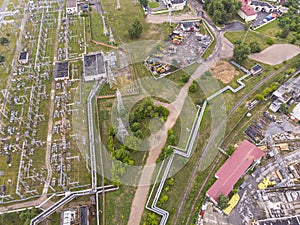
[
  {"x": 276, "y": 54},
  {"x": 224, "y": 72}
]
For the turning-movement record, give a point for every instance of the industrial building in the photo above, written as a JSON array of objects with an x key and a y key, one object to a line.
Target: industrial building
[
  {"x": 94, "y": 67},
  {"x": 234, "y": 168},
  {"x": 286, "y": 93},
  {"x": 71, "y": 7}
]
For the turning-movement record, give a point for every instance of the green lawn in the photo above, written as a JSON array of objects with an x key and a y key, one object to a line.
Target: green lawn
[
  {"x": 272, "y": 29},
  {"x": 120, "y": 21},
  {"x": 250, "y": 36},
  {"x": 153, "y": 5}
]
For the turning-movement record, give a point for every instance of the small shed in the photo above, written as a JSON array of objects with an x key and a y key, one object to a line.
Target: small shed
[
  {"x": 256, "y": 70},
  {"x": 61, "y": 71}
]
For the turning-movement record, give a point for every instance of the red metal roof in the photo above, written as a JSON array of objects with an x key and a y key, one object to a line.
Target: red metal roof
[{"x": 234, "y": 168}]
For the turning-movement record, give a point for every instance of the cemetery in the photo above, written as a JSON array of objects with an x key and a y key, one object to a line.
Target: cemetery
[{"x": 184, "y": 46}]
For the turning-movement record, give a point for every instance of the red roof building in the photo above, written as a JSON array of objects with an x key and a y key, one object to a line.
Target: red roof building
[
  {"x": 233, "y": 169},
  {"x": 247, "y": 13}
]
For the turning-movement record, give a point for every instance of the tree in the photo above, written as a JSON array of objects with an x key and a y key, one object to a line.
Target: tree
[
  {"x": 241, "y": 52},
  {"x": 4, "y": 41},
  {"x": 259, "y": 97},
  {"x": 136, "y": 29},
  {"x": 144, "y": 3},
  {"x": 254, "y": 47},
  {"x": 223, "y": 201},
  {"x": 285, "y": 32},
  {"x": 2, "y": 59}
]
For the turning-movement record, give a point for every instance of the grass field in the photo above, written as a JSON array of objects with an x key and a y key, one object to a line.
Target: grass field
[
  {"x": 272, "y": 29},
  {"x": 11, "y": 33},
  {"x": 153, "y": 4}
]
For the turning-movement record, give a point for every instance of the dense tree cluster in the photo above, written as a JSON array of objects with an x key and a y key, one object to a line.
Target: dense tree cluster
[
  {"x": 290, "y": 21},
  {"x": 221, "y": 11},
  {"x": 140, "y": 116},
  {"x": 27, "y": 215},
  {"x": 267, "y": 91}
]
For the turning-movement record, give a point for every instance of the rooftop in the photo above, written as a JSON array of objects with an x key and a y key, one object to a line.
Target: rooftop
[
  {"x": 23, "y": 55},
  {"x": 94, "y": 64},
  {"x": 256, "y": 68},
  {"x": 61, "y": 70},
  {"x": 71, "y": 3},
  {"x": 247, "y": 9},
  {"x": 234, "y": 168}
]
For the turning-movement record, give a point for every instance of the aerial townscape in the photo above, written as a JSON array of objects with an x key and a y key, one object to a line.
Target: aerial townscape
[{"x": 150, "y": 112}]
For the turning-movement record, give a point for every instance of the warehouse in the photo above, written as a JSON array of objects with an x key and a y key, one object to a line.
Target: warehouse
[{"x": 233, "y": 169}]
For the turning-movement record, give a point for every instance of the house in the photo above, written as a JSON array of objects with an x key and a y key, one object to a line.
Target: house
[
  {"x": 255, "y": 70},
  {"x": 175, "y": 4},
  {"x": 71, "y": 7},
  {"x": 94, "y": 67},
  {"x": 23, "y": 58},
  {"x": 245, "y": 156},
  {"x": 61, "y": 71}
]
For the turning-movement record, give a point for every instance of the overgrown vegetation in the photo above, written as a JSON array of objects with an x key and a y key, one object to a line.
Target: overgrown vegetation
[{"x": 142, "y": 113}]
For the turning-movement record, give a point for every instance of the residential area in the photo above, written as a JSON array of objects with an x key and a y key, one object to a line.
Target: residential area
[{"x": 147, "y": 112}]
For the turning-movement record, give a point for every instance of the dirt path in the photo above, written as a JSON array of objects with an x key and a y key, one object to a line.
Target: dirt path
[
  {"x": 163, "y": 18},
  {"x": 276, "y": 54},
  {"x": 141, "y": 194}
]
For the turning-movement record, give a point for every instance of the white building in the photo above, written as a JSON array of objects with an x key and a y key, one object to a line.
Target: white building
[
  {"x": 296, "y": 112},
  {"x": 175, "y": 4},
  {"x": 71, "y": 7}
]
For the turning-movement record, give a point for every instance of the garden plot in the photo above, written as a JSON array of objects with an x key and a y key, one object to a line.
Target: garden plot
[{"x": 185, "y": 46}]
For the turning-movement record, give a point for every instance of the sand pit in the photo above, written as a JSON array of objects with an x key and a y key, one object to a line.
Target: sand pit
[
  {"x": 224, "y": 71},
  {"x": 276, "y": 54}
]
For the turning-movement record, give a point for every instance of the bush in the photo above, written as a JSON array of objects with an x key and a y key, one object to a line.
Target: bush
[
  {"x": 193, "y": 88},
  {"x": 254, "y": 47},
  {"x": 270, "y": 41}
]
